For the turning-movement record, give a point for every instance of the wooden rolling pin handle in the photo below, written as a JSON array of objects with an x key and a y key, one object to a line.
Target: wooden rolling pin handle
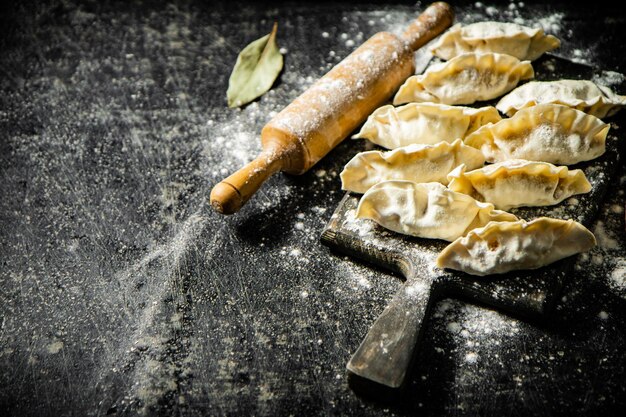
[
  {"x": 279, "y": 153},
  {"x": 433, "y": 21},
  {"x": 228, "y": 196}
]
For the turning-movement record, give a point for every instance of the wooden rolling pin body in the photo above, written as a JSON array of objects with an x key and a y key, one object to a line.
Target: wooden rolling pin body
[{"x": 319, "y": 119}]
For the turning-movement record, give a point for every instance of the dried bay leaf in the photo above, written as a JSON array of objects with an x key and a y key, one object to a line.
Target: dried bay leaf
[{"x": 256, "y": 69}]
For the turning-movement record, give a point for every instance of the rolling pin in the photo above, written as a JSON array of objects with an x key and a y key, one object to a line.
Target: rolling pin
[{"x": 319, "y": 119}]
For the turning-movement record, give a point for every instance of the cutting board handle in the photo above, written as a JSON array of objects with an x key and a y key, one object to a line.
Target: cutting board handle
[{"x": 386, "y": 353}]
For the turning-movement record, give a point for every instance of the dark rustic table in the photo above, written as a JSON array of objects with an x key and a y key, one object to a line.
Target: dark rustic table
[{"x": 122, "y": 292}]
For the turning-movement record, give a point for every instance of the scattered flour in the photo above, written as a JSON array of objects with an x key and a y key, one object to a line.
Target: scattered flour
[
  {"x": 551, "y": 23},
  {"x": 618, "y": 275},
  {"x": 609, "y": 78},
  {"x": 454, "y": 327},
  {"x": 605, "y": 239},
  {"x": 362, "y": 227},
  {"x": 54, "y": 347},
  {"x": 471, "y": 358}
]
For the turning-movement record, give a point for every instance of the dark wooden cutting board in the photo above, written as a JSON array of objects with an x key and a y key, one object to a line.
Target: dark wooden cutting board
[{"x": 385, "y": 355}]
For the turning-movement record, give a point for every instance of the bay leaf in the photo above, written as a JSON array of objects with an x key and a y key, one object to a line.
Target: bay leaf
[{"x": 256, "y": 69}]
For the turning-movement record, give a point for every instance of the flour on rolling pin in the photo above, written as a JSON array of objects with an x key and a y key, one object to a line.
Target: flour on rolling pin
[
  {"x": 322, "y": 98},
  {"x": 319, "y": 118},
  {"x": 313, "y": 124}
]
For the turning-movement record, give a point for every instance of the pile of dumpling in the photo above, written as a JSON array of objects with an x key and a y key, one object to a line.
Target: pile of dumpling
[{"x": 434, "y": 183}]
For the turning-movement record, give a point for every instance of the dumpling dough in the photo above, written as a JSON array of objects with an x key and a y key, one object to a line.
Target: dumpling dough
[
  {"x": 517, "y": 183},
  {"x": 501, "y": 247},
  {"x": 546, "y": 132},
  {"x": 427, "y": 210},
  {"x": 466, "y": 79},
  {"x": 424, "y": 123},
  {"x": 522, "y": 42},
  {"x": 418, "y": 163},
  {"x": 582, "y": 95}
]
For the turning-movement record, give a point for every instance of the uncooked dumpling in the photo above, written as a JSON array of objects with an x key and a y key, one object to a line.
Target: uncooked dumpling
[
  {"x": 427, "y": 210},
  {"x": 424, "y": 123},
  {"x": 582, "y": 95},
  {"x": 466, "y": 79},
  {"x": 519, "y": 183},
  {"x": 418, "y": 163},
  {"x": 501, "y": 247},
  {"x": 522, "y": 42},
  {"x": 546, "y": 132}
]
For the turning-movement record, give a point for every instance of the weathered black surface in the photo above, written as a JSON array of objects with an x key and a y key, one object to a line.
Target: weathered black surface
[{"x": 122, "y": 293}]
